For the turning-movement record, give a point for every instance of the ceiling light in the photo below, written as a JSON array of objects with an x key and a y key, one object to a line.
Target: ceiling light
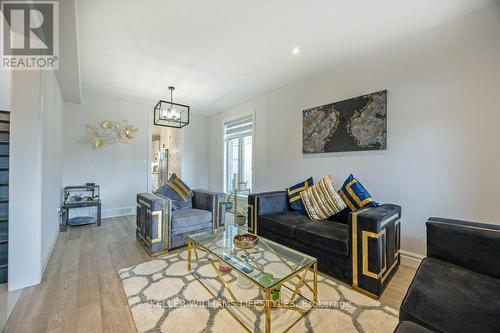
[
  {"x": 295, "y": 50},
  {"x": 170, "y": 114}
]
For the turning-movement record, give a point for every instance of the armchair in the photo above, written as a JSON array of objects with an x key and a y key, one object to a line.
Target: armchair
[
  {"x": 160, "y": 229},
  {"x": 457, "y": 286}
]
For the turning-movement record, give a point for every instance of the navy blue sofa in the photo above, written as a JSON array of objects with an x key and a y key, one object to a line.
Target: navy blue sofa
[
  {"x": 360, "y": 248},
  {"x": 457, "y": 286}
]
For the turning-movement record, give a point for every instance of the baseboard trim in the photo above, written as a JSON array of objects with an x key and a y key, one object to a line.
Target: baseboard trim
[
  {"x": 116, "y": 212},
  {"x": 47, "y": 253},
  {"x": 411, "y": 259}
]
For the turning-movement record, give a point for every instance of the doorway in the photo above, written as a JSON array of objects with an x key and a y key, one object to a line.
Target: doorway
[{"x": 166, "y": 155}]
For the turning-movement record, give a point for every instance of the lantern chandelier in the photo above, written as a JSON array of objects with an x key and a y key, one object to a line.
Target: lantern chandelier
[{"x": 170, "y": 114}]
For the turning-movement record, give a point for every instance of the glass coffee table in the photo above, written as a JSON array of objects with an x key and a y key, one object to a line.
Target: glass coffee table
[{"x": 276, "y": 270}]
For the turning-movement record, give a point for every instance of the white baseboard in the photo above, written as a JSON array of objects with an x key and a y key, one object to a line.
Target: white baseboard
[
  {"x": 48, "y": 252},
  {"x": 410, "y": 259},
  {"x": 115, "y": 212}
]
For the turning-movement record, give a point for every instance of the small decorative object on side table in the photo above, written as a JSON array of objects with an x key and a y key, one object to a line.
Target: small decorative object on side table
[{"x": 75, "y": 197}]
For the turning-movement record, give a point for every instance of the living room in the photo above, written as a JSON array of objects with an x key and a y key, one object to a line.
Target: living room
[{"x": 186, "y": 135}]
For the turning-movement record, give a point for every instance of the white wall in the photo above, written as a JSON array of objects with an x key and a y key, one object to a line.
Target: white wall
[
  {"x": 68, "y": 74},
  {"x": 120, "y": 169},
  {"x": 443, "y": 114},
  {"x": 195, "y": 152},
  {"x": 5, "y": 89},
  {"x": 35, "y": 174},
  {"x": 5, "y": 83},
  {"x": 25, "y": 180},
  {"x": 52, "y": 113}
]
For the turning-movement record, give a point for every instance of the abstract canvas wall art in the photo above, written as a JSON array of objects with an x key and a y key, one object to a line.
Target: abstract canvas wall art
[{"x": 354, "y": 124}]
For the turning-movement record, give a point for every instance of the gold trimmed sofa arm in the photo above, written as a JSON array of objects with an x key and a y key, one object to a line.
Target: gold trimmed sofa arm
[
  {"x": 375, "y": 234},
  {"x": 153, "y": 222}
]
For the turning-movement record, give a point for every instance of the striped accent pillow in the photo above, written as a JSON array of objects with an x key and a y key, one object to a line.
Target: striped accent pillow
[
  {"x": 178, "y": 192},
  {"x": 355, "y": 195},
  {"x": 321, "y": 200},
  {"x": 176, "y": 184}
]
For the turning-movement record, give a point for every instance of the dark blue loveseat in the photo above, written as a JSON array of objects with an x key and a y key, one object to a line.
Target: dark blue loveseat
[{"x": 360, "y": 248}]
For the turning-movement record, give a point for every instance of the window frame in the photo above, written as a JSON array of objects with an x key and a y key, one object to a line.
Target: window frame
[{"x": 240, "y": 136}]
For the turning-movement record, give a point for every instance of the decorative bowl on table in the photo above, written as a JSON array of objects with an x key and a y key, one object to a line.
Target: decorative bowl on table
[
  {"x": 78, "y": 197},
  {"x": 245, "y": 241}
]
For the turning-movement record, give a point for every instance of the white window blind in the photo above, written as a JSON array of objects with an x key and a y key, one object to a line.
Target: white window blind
[{"x": 238, "y": 127}]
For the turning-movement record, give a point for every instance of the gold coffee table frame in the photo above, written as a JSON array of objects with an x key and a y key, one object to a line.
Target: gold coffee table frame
[{"x": 267, "y": 303}]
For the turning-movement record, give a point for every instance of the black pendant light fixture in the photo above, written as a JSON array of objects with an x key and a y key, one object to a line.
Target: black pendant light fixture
[{"x": 170, "y": 114}]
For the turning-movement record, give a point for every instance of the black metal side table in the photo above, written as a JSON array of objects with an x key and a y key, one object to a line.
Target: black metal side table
[{"x": 76, "y": 197}]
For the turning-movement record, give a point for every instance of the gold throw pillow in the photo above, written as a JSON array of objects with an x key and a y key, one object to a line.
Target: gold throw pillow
[{"x": 321, "y": 200}]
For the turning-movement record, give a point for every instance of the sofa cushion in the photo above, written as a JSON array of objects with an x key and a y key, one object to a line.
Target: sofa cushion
[
  {"x": 336, "y": 265},
  {"x": 341, "y": 217},
  {"x": 189, "y": 219},
  {"x": 283, "y": 223},
  {"x": 327, "y": 235},
  {"x": 449, "y": 298}
]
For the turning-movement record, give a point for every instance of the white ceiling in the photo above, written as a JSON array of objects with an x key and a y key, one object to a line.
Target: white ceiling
[{"x": 221, "y": 53}]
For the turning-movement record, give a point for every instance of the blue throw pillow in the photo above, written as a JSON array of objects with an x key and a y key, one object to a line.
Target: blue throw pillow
[
  {"x": 355, "y": 195},
  {"x": 177, "y": 191},
  {"x": 294, "y": 195}
]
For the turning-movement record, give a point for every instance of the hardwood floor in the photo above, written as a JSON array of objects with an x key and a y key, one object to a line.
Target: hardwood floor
[
  {"x": 8, "y": 300},
  {"x": 81, "y": 291},
  {"x": 396, "y": 290}
]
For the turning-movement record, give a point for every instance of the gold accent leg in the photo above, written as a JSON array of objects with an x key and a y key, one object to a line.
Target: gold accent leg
[
  {"x": 224, "y": 283},
  {"x": 315, "y": 282},
  {"x": 268, "y": 303},
  {"x": 196, "y": 253},
  {"x": 190, "y": 245},
  {"x": 301, "y": 281},
  {"x": 267, "y": 306}
]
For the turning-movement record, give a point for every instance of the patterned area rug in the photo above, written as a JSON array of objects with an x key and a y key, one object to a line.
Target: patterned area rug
[{"x": 164, "y": 297}]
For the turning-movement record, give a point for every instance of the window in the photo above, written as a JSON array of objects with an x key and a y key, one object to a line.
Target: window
[{"x": 238, "y": 141}]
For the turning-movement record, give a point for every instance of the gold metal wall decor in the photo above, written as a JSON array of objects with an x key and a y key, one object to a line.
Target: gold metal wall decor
[{"x": 108, "y": 132}]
